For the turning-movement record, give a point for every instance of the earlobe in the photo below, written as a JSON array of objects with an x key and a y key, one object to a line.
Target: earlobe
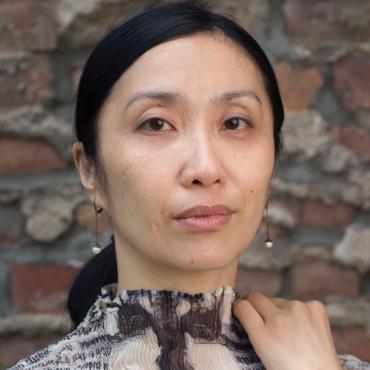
[{"x": 84, "y": 166}]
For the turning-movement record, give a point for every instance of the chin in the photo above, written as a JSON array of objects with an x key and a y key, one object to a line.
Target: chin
[{"x": 198, "y": 262}]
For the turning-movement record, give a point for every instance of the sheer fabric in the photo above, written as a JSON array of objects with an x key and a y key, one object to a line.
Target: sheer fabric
[{"x": 158, "y": 330}]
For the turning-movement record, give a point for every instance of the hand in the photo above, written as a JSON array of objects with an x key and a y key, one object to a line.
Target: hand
[{"x": 288, "y": 335}]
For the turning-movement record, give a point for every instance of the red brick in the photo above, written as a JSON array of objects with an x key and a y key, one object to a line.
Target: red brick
[
  {"x": 352, "y": 81},
  {"x": 327, "y": 26},
  {"x": 316, "y": 213},
  {"x": 86, "y": 29},
  {"x": 355, "y": 138},
  {"x": 41, "y": 287},
  {"x": 11, "y": 225},
  {"x": 39, "y": 82},
  {"x": 266, "y": 282},
  {"x": 33, "y": 155},
  {"x": 28, "y": 80},
  {"x": 353, "y": 340},
  {"x": 298, "y": 85},
  {"x": 27, "y": 25},
  {"x": 14, "y": 347},
  {"x": 315, "y": 279}
]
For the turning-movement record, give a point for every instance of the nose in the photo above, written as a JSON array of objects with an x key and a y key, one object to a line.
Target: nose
[{"x": 203, "y": 161}]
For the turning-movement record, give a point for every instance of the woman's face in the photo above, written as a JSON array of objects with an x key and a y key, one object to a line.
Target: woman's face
[{"x": 211, "y": 142}]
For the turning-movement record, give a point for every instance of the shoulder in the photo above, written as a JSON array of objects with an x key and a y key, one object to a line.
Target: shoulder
[
  {"x": 54, "y": 356},
  {"x": 73, "y": 351},
  {"x": 70, "y": 352},
  {"x": 350, "y": 362}
]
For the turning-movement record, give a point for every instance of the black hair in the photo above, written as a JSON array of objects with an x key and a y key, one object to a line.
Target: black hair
[
  {"x": 99, "y": 271},
  {"x": 108, "y": 61}
]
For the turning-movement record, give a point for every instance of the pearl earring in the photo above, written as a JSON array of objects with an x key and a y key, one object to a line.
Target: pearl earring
[
  {"x": 268, "y": 242},
  {"x": 96, "y": 249}
]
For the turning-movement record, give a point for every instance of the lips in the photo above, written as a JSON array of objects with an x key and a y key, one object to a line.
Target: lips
[{"x": 203, "y": 210}]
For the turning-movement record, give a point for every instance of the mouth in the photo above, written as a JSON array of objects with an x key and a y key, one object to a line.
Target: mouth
[
  {"x": 205, "y": 210},
  {"x": 204, "y": 217},
  {"x": 209, "y": 222}
]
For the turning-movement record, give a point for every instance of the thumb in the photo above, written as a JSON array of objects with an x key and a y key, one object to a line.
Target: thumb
[{"x": 248, "y": 316}]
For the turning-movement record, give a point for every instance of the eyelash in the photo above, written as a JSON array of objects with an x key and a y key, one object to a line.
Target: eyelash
[{"x": 140, "y": 127}]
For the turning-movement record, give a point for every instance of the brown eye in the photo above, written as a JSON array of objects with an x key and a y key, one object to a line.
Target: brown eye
[
  {"x": 154, "y": 124},
  {"x": 234, "y": 122}
]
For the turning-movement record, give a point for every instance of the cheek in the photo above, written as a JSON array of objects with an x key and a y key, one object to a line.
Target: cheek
[
  {"x": 133, "y": 182},
  {"x": 255, "y": 174},
  {"x": 255, "y": 167}
]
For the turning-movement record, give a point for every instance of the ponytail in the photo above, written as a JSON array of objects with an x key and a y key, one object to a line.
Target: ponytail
[{"x": 100, "y": 270}]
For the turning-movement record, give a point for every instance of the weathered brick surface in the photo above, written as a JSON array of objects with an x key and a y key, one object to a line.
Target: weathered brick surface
[
  {"x": 33, "y": 323},
  {"x": 11, "y": 225},
  {"x": 266, "y": 282},
  {"x": 27, "y": 25},
  {"x": 315, "y": 213},
  {"x": 41, "y": 287},
  {"x": 315, "y": 278},
  {"x": 24, "y": 79},
  {"x": 37, "y": 123},
  {"x": 354, "y": 249},
  {"x": 327, "y": 28},
  {"x": 292, "y": 213},
  {"x": 354, "y": 340},
  {"x": 355, "y": 138},
  {"x": 30, "y": 155},
  {"x": 298, "y": 84},
  {"x": 352, "y": 81},
  {"x": 83, "y": 26},
  {"x": 58, "y": 201}
]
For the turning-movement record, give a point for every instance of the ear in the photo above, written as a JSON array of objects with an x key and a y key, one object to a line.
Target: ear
[{"x": 86, "y": 168}]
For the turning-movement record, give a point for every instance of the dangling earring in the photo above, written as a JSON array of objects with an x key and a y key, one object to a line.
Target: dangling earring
[
  {"x": 268, "y": 242},
  {"x": 96, "y": 249}
]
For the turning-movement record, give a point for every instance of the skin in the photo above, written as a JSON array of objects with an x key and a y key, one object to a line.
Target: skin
[
  {"x": 195, "y": 154},
  {"x": 288, "y": 335}
]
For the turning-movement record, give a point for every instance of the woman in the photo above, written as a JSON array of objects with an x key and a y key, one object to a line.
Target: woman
[{"x": 178, "y": 124}]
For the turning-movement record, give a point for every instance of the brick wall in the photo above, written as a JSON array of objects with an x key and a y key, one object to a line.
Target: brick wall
[{"x": 320, "y": 201}]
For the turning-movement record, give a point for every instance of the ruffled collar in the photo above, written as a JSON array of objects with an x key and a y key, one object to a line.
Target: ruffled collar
[
  {"x": 177, "y": 310},
  {"x": 176, "y": 328}
]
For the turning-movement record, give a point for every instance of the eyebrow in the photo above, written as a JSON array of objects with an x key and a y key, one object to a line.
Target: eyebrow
[{"x": 172, "y": 97}]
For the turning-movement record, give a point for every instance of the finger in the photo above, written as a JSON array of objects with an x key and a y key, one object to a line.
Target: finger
[
  {"x": 248, "y": 316},
  {"x": 319, "y": 314},
  {"x": 279, "y": 302},
  {"x": 263, "y": 305}
]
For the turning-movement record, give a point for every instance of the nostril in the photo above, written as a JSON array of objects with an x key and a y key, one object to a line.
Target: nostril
[{"x": 196, "y": 182}]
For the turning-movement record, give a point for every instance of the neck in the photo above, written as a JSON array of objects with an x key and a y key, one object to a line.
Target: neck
[{"x": 135, "y": 271}]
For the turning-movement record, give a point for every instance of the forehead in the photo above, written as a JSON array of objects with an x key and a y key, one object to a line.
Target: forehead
[{"x": 203, "y": 61}]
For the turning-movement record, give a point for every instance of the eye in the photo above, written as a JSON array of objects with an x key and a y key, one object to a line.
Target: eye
[
  {"x": 234, "y": 122},
  {"x": 155, "y": 123}
]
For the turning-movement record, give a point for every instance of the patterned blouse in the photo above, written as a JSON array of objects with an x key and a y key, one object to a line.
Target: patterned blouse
[{"x": 158, "y": 330}]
